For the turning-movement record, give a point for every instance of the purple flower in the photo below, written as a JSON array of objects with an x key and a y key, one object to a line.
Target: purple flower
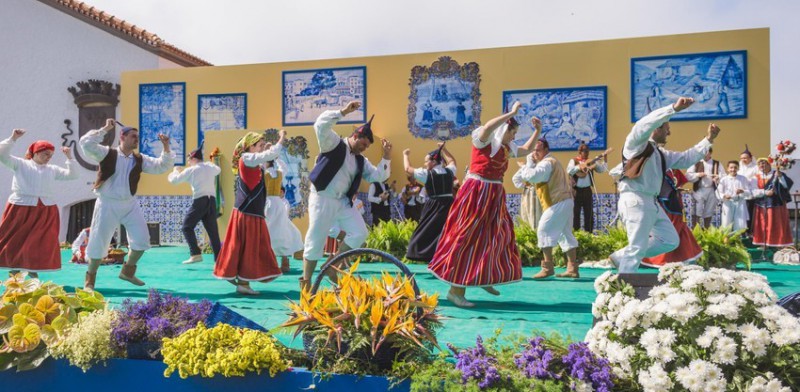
[
  {"x": 162, "y": 315},
  {"x": 535, "y": 359},
  {"x": 583, "y": 365},
  {"x": 476, "y": 364}
]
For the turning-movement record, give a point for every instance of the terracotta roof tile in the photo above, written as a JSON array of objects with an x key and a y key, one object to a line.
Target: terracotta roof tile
[{"x": 137, "y": 35}]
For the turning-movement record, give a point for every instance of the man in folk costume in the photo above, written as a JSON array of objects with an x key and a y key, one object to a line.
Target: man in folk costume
[
  {"x": 748, "y": 168},
  {"x": 437, "y": 177},
  {"x": 553, "y": 188},
  {"x": 642, "y": 174},
  {"x": 285, "y": 237},
  {"x": 246, "y": 255},
  {"x": 335, "y": 179},
  {"x": 117, "y": 181},
  {"x": 529, "y": 210},
  {"x": 379, "y": 197},
  {"x": 732, "y": 191},
  {"x": 413, "y": 199},
  {"x": 582, "y": 177},
  {"x": 201, "y": 176},
  {"x": 30, "y": 222},
  {"x": 771, "y": 216},
  {"x": 705, "y": 178}
]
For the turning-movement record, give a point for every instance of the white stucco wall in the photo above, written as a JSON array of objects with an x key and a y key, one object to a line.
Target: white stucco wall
[{"x": 43, "y": 51}]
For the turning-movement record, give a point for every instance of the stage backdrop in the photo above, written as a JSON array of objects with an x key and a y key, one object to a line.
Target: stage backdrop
[{"x": 389, "y": 83}]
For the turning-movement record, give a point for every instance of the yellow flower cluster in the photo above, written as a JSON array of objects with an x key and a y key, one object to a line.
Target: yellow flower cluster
[
  {"x": 385, "y": 308},
  {"x": 224, "y": 350},
  {"x": 89, "y": 341}
]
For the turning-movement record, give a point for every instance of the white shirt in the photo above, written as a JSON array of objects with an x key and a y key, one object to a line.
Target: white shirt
[
  {"x": 707, "y": 181},
  {"x": 33, "y": 181},
  {"x": 328, "y": 140},
  {"x": 200, "y": 177},
  {"x": 748, "y": 171},
  {"x": 421, "y": 174},
  {"x": 649, "y": 182},
  {"x": 728, "y": 186},
  {"x": 82, "y": 240},
  {"x": 518, "y": 180},
  {"x": 377, "y": 199},
  {"x": 540, "y": 172},
  {"x": 118, "y": 185},
  {"x": 585, "y": 182},
  {"x": 277, "y": 166}
]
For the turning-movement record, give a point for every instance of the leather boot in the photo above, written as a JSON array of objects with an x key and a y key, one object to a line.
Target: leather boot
[
  {"x": 88, "y": 281},
  {"x": 546, "y": 271},
  {"x": 129, "y": 273},
  {"x": 572, "y": 271}
]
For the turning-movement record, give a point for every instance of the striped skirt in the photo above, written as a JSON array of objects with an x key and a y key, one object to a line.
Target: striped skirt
[{"x": 478, "y": 247}]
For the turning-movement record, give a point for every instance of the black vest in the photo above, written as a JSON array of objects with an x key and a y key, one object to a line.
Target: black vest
[
  {"x": 670, "y": 197},
  {"x": 251, "y": 202},
  {"x": 329, "y": 163},
  {"x": 379, "y": 189},
  {"x": 439, "y": 184}
]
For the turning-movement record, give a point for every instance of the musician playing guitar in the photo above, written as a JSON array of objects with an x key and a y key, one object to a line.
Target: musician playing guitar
[{"x": 581, "y": 170}]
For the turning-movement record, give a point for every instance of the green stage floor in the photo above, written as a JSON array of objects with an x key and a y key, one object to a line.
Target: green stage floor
[{"x": 563, "y": 306}]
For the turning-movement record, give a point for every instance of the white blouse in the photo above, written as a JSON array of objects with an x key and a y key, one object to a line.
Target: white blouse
[{"x": 33, "y": 182}]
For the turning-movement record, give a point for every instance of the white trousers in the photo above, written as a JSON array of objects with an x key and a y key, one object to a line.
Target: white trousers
[
  {"x": 650, "y": 232},
  {"x": 325, "y": 212},
  {"x": 705, "y": 202},
  {"x": 108, "y": 215},
  {"x": 555, "y": 226},
  {"x": 734, "y": 214},
  {"x": 283, "y": 234}
]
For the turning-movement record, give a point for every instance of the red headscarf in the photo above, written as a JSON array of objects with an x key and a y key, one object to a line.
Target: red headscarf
[{"x": 39, "y": 146}]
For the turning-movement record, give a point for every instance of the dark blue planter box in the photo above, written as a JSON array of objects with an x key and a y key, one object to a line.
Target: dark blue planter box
[{"x": 122, "y": 375}]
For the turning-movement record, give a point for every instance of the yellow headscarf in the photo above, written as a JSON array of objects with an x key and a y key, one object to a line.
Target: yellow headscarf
[{"x": 244, "y": 143}]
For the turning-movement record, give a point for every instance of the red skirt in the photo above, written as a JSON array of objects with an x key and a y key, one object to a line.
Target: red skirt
[
  {"x": 29, "y": 238},
  {"x": 331, "y": 246},
  {"x": 688, "y": 249},
  {"x": 247, "y": 253},
  {"x": 771, "y": 226},
  {"x": 478, "y": 247}
]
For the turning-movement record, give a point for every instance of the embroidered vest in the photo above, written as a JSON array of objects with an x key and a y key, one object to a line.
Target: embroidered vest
[
  {"x": 250, "y": 201},
  {"x": 108, "y": 166},
  {"x": 556, "y": 189},
  {"x": 274, "y": 184}
]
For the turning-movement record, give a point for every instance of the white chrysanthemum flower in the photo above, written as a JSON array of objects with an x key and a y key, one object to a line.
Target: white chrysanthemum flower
[
  {"x": 767, "y": 384},
  {"x": 580, "y": 386},
  {"x": 655, "y": 379},
  {"x": 725, "y": 351},
  {"x": 603, "y": 282}
]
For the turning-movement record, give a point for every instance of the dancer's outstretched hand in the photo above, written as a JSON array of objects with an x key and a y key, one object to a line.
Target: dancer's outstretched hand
[
  {"x": 17, "y": 133},
  {"x": 682, "y": 103}
]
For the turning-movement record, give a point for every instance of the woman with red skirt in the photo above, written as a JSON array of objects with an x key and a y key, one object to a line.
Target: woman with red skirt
[
  {"x": 246, "y": 255},
  {"x": 477, "y": 247},
  {"x": 688, "y": 250},
  {"x": 30, "y": 223},
  {"x": 770, "y": 215}
]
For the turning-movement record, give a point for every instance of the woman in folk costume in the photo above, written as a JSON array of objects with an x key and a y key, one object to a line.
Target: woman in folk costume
[
  {"x": 30, "y": 223},
  {"x": 437, "y": 177},
  {"x": 478, "y": 247},
  {"x": 246, "y": 253},
  {"x": 671, "y": 200},
  {"x": 285, "y": 236},
  {"x": 771, "y": 216},
  {"x": 732, "y": 191},
  {"x": 530, "y": 210}
]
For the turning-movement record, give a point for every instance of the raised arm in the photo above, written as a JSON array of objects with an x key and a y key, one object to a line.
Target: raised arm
[
  {"x": 540, "y": 172},
  {"x": 164, "y": 161},
  {"x": 177, "y": 176},
  {"x": 688, "y": 158},
  {"x": 68, "y": 173},
  {"x": 91, "y": 145},
  {"x": 407, "y": 162},
  {"x": 496, "y": 122},
  {"x": 253, "y": 159},
  {"x": 527, "y": 148},
  {"x": 643, "y": 129},
  {"x": 323, "y": 127},
  {"x": 6, "y": 158},
  {"x": 449, "y": 159}
]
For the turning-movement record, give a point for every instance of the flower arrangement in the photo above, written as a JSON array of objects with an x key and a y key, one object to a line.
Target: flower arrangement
[
  {"x": 35, "y": 315},
  {"x": 224, "y": 350},
  {"x": 699, "y": 331},
  {"x": 722, "y": 247},
  {"x": 88, "y": 342},
  {"x": 357, "y": 317},
  {"x": 781, "y": 159},
  {"x": 161, "y": 316}
]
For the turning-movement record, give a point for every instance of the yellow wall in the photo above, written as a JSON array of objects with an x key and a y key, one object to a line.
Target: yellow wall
[{"x": 525, "y": 67}]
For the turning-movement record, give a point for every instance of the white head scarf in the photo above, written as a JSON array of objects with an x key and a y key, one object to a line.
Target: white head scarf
[{"x": 497, "y": 141}]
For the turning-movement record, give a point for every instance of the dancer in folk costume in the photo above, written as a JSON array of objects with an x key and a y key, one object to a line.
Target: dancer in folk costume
[
  {"x": 553, "y": 188},
  {"x": 335, "y": 180},
  {"x": 117, "y": 181},
  {"x": 771, "y": 216},
  {"x": 705, "y": 176},
  {"x": 285, "y": 236},
  {"x": 202, "y": 178},
  {"x": 643, "y": 173},
  {"x": 732, "y": 191},
  {"x": 748, "y": 168},
  {"x": 30, "y": 223},
  {"x": 582, "y": 181},
  {"x": 437, "y": 177},
  {"x": 246, "y": 254},
  {"x": 477, "y": 247},
  {"x": 671, "y": 201},
  {"x": 379, "y": 196},
  {"x": 530, "y": 211}
]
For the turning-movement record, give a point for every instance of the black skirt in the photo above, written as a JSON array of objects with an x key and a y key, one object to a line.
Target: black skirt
[{"x": 425, "y": 238}]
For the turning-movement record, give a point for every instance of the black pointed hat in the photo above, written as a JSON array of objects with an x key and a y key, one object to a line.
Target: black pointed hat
[
  {"x": 197, "y": 153},
  {"x": 436, "y": 155},
  {"x": 747, "y": 151},
  {"x": 366, "y": 130}
]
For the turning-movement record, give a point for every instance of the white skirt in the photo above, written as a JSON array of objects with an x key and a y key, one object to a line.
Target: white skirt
[{"x": 284, "y": 235}]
